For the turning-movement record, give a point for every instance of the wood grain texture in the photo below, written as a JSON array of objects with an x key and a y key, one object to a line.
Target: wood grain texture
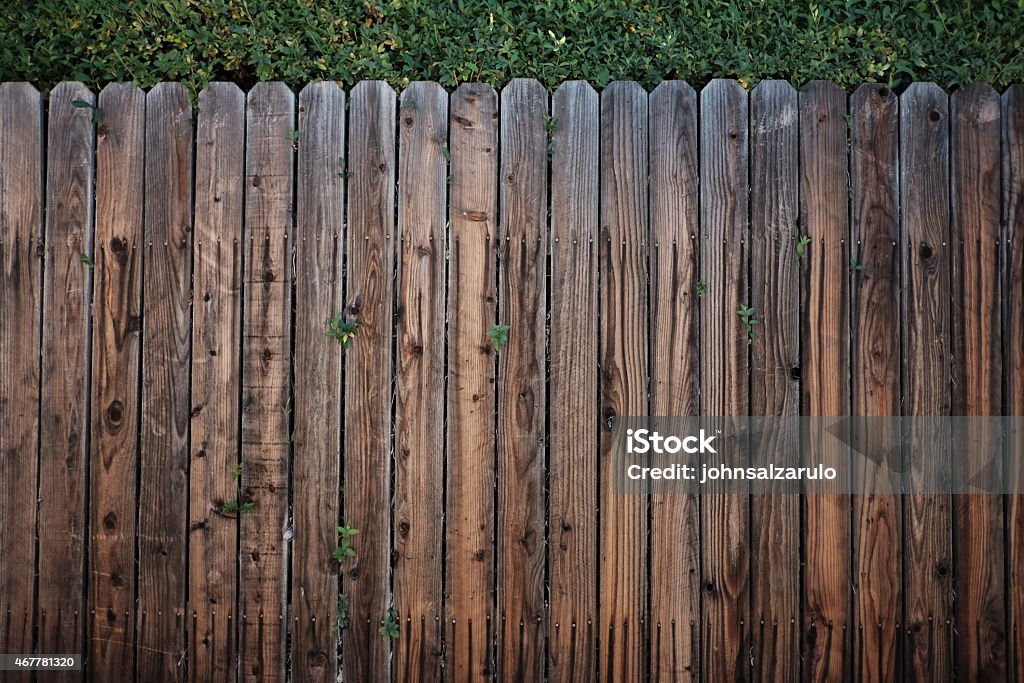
[
  {"x": 875, "y": 359},
  {"x": 420, "y": 380},
  {"x": 21, "y": 251},
  {"x": 775, "y": 387},
  {"x": 622, "y": 601},
  {"x": 63, "y": 446},
  {"x": 469, "y": 519},
  {"x": 572, "y": 384},
  {"x": 522, "y": 397},
  {"x": 924, "y": 210},
  {"x": 825, "y": 373},
  {"x": 980, "y": 647},
  {"x": 319, "y": 236},
  {"x": 166, "y": 332},
  {"x": 675, "y": 390},
  {"x": 116, "y": 343},
  {"x": 216, "y": 382},
  {"x": 1013, "y": 360},
  {"x": 266, "y": 379},
  {"x": 725, "y": 365},
  {"x": 368, "y": 371}
]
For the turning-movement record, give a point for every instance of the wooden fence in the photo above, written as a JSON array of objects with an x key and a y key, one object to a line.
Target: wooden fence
[{"x": 180, "y": 437}]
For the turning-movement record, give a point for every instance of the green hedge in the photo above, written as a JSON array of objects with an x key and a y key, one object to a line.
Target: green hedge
[{"x": 950, "y": 42}]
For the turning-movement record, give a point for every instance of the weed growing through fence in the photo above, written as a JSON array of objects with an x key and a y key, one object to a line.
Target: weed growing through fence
[
  {"x": 747, "y": 315},
  {"x": 236, "y": 472},
  {"x": 293, "y": 135},
  {"x": 342, "y": 330},
  {"x": 801, "y": 247},
  {"x": 551, "y": 127},
  {"x": 498, "y": 334},
  {"x": 344, "y": 551},
  {"x": 389, "y": 628},
  {"x": 701, "y": 287},
  {"x": 855, "y": 265},
  {"x": 97, "y": 113},
  {"x": 233, "y": 508},
  {"x": 341, "y": 613},
  {"x": 343, "y": 172},
  {"x": 409, "y": 103},
  {"x": 87, "y": 260}
]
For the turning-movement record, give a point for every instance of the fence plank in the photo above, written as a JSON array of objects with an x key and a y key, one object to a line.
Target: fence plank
[
  {"x": 980, "y": 650},
  {"x": 573, "y": 384},
  {"x": 825, "y": 372},
  {"x": 117, "y": 310},
  {"x": 21, "y": 244},
  {"x": 320, "y": 189},
  {"x": 875, "y": 356},
  {"x": 266, "y": 376},
  {"x": 775, "y": 389},
  {"x": 471, "y": 398},
  {"x": 67, "y": 285},
  {"x": 675, "y": 390},
  {"x": 166, "y": 409},
  {"x": 522, "y": 399},
  {"x": 724, "y": 257},
  {"x": 420, "y": 379},
  {"x": 924, "y": 206},
  {"x": 216, "y": 381},
  {"x": 367, "y": 442}
]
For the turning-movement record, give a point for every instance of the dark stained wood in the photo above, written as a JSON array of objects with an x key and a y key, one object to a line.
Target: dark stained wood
[
  {"x": 216, "y": 381},
  {"x": 724, "y": 367},
  {"x": 116, "y": 342},
  {"x": 368, "y": 369},
  {"x": 875, "y": 360},
  {"x": 572, "y": 385},
  {"x": 980, "y": 642},
  {"x": 522, "y": 399},
  {"x": 420, "y": 380},
  {"x": 320, "y": 190},
  {"x": 63, "y": 448},
  {"x": 161, "y": 618},
  {"x": 469, "y": 519},
  {"x": 622, "y": 601},
  {"x": 267, "y": 403},
  {"x": 21, "y": 244},
  {"x": 825, "y": 373},
  {"x": 674, "y": 387},
  {"x": 775, "y": 388},
  {"x": 924, "y": 206}
]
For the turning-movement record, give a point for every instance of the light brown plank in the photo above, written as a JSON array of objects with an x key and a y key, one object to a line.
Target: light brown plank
[
  {"x": 216, "y": 382},
  {"x": 116, "y": 341},
  {"x": 63, "y": 449},
  {"x": 266, "y": 373},
  {"x": 469, "y": 519},
  {"x": 320, "y": 189},
  {"x": 675, "y": 389},
  {"x": 166, "y": 334},
  {"x": 21, "y": 245},
  {"x": 574, "y": 533},
  {"x": 725, "y": 365}
]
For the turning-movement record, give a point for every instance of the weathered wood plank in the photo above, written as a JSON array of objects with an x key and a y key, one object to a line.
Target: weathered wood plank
[
  {"x": 980, "y": 642},
  {"x": 725, "y": 365},
  {"x": 368, "y": 370},
  {"x": 63, "y": 449},
  {"x": 674, "y": 334},
  {"x": 825, "y": 372},
  {"x": 116, "y": 342},
  {"x": 166, "y": 333},
  {"x": 21, "y": 245},
  {"x": 522, "y": 399},
  {"x": 572, "y": 384},
  {"x": 875, "y": 359},
  {"x": 216, "y": 382},
  {"x": 320, "y": 190},
  {"x": 924, "y": 207},
  {"x": 623, "y": 376},
  {"x": 775, "y": 388},
  {"x": 266, "y": 376},
  {"x": 420, "y": 379},
  {"x": 471, "y": 399}
]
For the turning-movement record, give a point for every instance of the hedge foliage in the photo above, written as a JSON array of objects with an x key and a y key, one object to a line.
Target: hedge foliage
[{"x": 947, "y": 41}]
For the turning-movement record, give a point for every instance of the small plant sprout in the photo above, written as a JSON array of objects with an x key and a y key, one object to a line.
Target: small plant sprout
[
  {"x": 498, "y": 334},
  {"x": 233, "y": 508},
  {"x": 747, "y": 315},
  {"x": 389, "y": 627},
  {"x": 551, "y": 126},
  {"x": 341, "y": 614},
  {"x": 293, "y": 135},
  {"x": 447, "y": 154},
  {"x": 342, "y": 330},
  {"x": 409, "y": 103},
  {"x": 701, "y": 287},
  {"x": 87, "y": 260},
  {"x": 97, "y": 113},
  {"x": 344, "y": 551},
  {"x": 801, "y": 247},
  {"x": 343, "y": 172},
  {"x": 855, "y": 265},
  {"x": 236, "y": 472}
]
